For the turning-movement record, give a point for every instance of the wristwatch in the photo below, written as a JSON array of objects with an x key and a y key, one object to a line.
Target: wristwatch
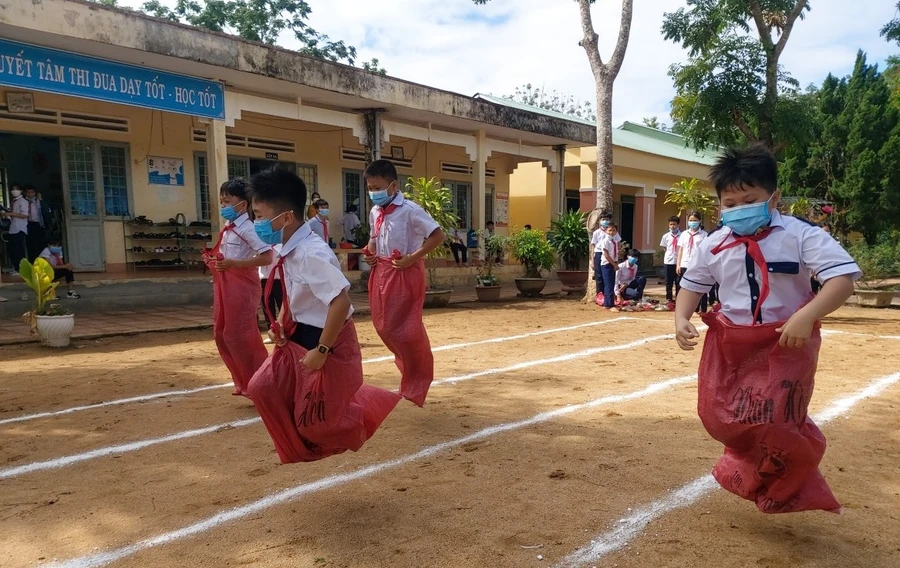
[{"x": 324, "y": 349}]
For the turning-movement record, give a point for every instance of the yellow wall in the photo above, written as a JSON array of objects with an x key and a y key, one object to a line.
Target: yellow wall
[
  {"x": 155, "y": 133},
  {"x": 529, "y": 200}
]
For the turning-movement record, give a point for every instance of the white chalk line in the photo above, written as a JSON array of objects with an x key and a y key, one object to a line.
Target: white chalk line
[
  {"x": 164, "y": 394},
  {"x": 109, "y": 556},
  {"x": 857, "y": 334},
  {"x": 630, "y": 527},
  {"x": 120, "y": 449}
]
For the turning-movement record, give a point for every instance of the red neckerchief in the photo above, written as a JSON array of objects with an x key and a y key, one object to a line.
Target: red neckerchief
[
  {"x": 380, "y": 214},
  {"x": 675, "y": 244},
  {"x": 752, "y": 244},
  {"x": 58, "y": 258},
  {"x": 324, "y": 228},
  {"x": 615, "y": 245}
]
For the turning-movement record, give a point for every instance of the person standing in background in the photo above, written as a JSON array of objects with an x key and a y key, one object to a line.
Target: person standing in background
[
  {"x": 18, "y": 229},
  {"x": 349, "y": 223},
  {"x": 36, "y": 238}
]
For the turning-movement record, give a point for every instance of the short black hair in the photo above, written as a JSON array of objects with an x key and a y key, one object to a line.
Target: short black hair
[
  {"x": 281, "y": 189},
  {"x": 612, "y": 226},
  {"x": 489, "y": 223},
  {"x": 54, "y": 240},
  {"x": 605, "y": 215},
  {"x": 319, "y": 203},
  {"x": 236, "y": 187},
  {"x": 695, "y": 214},
  {"x": 527, "y": 227},
  {"x": 381, "y": 169},
  {"x": 738, "y": 168},
  {"x": 634, "y": 253},
  {"x": 674, "y": 219},
  {"x": 30, "y": 187}
]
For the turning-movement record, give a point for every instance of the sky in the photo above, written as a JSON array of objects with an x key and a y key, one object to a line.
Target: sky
[{"x": 458, "y": 46}]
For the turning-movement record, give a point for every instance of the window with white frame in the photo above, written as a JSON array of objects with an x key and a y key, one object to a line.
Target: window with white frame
[
  {"x": 353, "y": 190},
  {"x": 237, "y": 168},
  {"x": 310, "y": 176},
  {"x": 461, "y": 195}
]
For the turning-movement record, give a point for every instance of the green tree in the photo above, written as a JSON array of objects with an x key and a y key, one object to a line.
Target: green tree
[
  {"x": 852, "y": 157},
  {"x": 891, "y": 30},
  {"x": 553, "y": 100},
  {"x": 257, "y": 20},
  {"x": 729, "y": 89},
  {"x": 691, "y": 195}
]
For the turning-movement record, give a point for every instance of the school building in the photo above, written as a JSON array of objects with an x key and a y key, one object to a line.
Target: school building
[{"x": 117, "y": 118}]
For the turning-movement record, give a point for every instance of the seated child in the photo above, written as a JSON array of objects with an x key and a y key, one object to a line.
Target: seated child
[
  {"x": 630, "y": 286},
  {"x": 759, "y": 357},
  {"x": 310, "y": 392},
  {"x": 53, "y": 253}
]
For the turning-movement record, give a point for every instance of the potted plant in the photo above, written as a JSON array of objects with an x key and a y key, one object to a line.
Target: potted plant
[
  {"x": 877, "y": 263},
  {"x": 436, "y": 200},
  {"x": 534, "y": 252},
  {"x": 487, "y": 285},
  {"x": 51, "y": 322},
  {"x": 570, "y": 239},
  {"x": 690, "y": 195}
]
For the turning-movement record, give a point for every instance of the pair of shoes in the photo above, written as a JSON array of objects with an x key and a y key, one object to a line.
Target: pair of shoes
[
  {"x": 2, "y": 299},
  {"x": 13, "y": 273},
  {"x": 72, "y": 295}
]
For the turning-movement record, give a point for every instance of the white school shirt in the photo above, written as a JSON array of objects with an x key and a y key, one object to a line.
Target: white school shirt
[
  {"x": 318, "y": 226},
  {"x": 611, "y": 245},
  {"x": 312, "y": 276},
  {"x": 242, "y": 242},
  {"x": 690, "y": 246},
  {"x": 597, "y": 238},
  {"x": 266, "y": 271},
  {"x": 17, "y": 225},
  {"x": 404, "y": 229},
  {"x": 35, "y": 215},
  {"x": 670, "y": 243},
  {"x": 349, "y": 222},
  {"x": 793, "y": 249},
  {"x": 625, "y": 274}
]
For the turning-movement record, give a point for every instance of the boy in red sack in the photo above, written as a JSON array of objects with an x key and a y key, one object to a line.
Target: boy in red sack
[
  {"x": 758, "y": 366},
  {"x": 236, "y": 289},
  {"x": 402, "y": 233},
  {"x": 310, "y": 392}
]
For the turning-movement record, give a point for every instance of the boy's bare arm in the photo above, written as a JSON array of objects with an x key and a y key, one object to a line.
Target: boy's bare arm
[
  {"x": 834, "y": 293},
  {"x": 685, "y": 332}
]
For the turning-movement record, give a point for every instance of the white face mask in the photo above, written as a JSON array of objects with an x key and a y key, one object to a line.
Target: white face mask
[{"x": 16, "y": 193}]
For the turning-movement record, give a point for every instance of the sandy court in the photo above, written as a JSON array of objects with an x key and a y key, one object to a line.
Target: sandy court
[{"x": 102, "y": 478}]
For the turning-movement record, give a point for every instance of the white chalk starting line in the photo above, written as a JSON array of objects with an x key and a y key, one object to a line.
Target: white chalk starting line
[
  {"x": 630, "y": 527},
  {"x": 184, "y": 392},
  {"x": 109, "y": 556},
  {"x": 120, "y": 449}
]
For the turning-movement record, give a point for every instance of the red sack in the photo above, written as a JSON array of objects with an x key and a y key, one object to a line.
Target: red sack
[
  {"x": 599, "y": 299},
  {"x": 397, "y": 298},
  {"x": 311, "y": 415},
  {"x": 236, "y": 293},
  {"x": 753, "y": 397}
]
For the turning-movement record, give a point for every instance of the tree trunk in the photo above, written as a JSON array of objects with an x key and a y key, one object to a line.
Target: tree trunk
[{"x": 604, "y": 146}]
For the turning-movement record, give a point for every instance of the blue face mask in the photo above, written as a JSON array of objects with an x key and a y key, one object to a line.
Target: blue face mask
[
  {"x": 604, "y": 224},
  {"x": 694, "y": 225},
  {"x": 745, "y": 220},
  {"x": 632, "y": 261},
  {"x": 55, "y": 250},
  {"x": 673, "y": 230},
  {"x": 266, "y": 233},
  {"x": 323, "y": 212},
  {"x": 380, "y": 197},
  {"x": 229, "y": 213}
]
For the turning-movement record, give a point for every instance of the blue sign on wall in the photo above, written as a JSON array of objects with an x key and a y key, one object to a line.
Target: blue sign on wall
[{"x": 42, "y": 69}]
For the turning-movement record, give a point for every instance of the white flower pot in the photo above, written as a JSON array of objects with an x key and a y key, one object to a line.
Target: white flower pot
[{"x": 55, "y": 331}]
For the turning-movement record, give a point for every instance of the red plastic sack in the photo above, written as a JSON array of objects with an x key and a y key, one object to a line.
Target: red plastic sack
[
  {"x": 397, "y": 298},
  {"x": 753, "y": 397},
  {"x": 311, "y": 415},
  {"x": 599, "y": 299},
  {"x": 236, "y": 293}
]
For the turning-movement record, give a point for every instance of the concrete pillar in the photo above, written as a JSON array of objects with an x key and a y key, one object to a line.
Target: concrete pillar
[
  {"x": 561, "y": 177},
  {"x": 645, "y": 240},
  {"x": 555, "y": 190},
  {"x": 479, "y": 183},
  {"x": 217, "y": 165}
]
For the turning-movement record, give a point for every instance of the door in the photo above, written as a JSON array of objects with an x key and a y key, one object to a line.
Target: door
[
  {"x": 84, "y": 215},
  {"x": 626, "y": 227}
]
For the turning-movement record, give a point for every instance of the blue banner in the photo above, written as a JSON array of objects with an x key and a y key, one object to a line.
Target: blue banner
[{"x": 42, "y": 69}]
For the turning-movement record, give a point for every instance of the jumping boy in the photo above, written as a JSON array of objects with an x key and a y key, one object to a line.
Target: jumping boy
[
  {"x": 310, "y": 393},
  {"x": 402, "y": 234},
  {"x": 670, "y": 243},
  {"x": 759, "y": 357}
]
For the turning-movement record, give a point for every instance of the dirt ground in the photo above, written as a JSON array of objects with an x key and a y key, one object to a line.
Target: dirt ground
[{"x": 539, "y": 485}]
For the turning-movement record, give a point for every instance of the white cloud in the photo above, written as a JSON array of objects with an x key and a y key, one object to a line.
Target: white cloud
[{"x": 457, "y": 46}]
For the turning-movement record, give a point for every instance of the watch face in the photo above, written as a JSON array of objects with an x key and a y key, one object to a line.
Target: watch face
[{"x": 323, "y": 349}]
